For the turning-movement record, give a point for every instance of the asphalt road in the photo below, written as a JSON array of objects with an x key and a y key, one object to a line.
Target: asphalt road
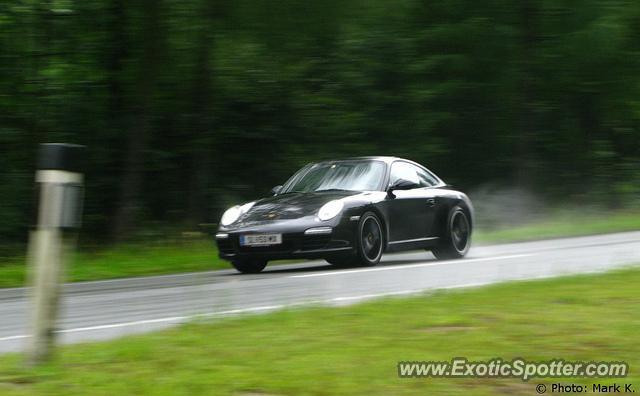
[{"x": 108, "y": 309}]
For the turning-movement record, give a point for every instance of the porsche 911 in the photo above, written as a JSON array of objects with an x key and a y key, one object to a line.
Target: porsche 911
[{"x": 349, "y": 212}]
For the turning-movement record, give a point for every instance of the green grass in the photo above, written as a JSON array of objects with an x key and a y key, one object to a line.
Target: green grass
[
  {"x": 563, "y": 224},
  {"x": 201, "y": 254},
  {"x": 127, "y": 260},
  {"x": 354, "y": 350}
]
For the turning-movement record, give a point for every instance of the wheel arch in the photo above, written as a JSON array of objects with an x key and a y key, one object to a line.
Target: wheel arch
[
  {"x": 442, "y": 216},
  {"x": 468, "y": 210}
]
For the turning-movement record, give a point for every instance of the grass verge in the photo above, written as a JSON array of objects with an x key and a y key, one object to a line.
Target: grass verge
[
  {"x": 354, "y": 350},
  {"x": 563, "y": 224},
  {"x": 126, "y": 261}
]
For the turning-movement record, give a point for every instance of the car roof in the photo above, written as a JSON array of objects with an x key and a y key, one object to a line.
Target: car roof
[
  {"x": 383, "y": 158},
  {"x": 388, "y": 160}
]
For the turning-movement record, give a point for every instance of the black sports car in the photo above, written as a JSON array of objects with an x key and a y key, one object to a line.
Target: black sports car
[{"x": 348, "y": 212}]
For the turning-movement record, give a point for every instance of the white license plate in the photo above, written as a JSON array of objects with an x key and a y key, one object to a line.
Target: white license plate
[{"x": 260, "y": 239}]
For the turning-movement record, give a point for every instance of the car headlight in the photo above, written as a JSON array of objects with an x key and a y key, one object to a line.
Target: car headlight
[
  {"x": 330, "y": 210},
  {"x": 234, "y": 213}
]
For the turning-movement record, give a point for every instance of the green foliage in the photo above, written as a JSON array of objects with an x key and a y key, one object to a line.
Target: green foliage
[{"x": 189, "y": 106}]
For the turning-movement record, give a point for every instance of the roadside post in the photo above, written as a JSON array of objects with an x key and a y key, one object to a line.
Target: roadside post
[{"x": 59, "y": 187}]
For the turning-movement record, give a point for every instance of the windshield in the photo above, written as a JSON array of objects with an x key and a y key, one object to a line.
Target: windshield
[{"x": 341, "y": 175}]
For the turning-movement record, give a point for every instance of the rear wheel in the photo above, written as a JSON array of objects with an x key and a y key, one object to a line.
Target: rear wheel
[
  {"x": 250, "y": 265},
  {"x": 456, "y": 240},
  {"x": 370, "y": 239}
]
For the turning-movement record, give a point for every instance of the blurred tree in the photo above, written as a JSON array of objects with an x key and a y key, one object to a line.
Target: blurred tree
[
  {"x": 188, "y": 106},
  {"x": 148, "y": 36}
]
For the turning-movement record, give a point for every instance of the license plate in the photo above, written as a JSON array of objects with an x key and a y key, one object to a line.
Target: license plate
[{"x": 260, "y": 239}]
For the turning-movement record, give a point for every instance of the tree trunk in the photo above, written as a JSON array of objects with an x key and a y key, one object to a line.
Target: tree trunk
[
  {"x": 525, "y": 159},
  {"x": 127, "y": 211},
  {"x": 200, "y": 163}
]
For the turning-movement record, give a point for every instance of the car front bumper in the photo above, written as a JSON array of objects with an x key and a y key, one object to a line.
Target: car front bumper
[{"x": 331, "y": 240}]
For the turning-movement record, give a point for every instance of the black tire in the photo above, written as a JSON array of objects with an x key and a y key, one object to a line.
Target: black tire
[
  {"x": 369, "y": 240},
  {"x": 249, "y": 266},
  {"x": 456, "y": 240}
]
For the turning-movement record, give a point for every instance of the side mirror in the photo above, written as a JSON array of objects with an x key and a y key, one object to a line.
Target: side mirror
[
  {"x": 276, "y": 189},
  {"x": 401, "y": 184}
]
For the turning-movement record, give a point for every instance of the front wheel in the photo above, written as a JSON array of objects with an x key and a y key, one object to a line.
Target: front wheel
[
  {"x": 249, "y": 266},
  {"x": 370, "y": 239},
  {"x": 456, "y": 240}
]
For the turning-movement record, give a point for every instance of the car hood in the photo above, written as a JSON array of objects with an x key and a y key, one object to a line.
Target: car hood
[{"x": 291, "y": 205}]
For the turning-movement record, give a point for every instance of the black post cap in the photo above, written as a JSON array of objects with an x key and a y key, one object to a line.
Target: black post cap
[{"x": 61, "y": 156}]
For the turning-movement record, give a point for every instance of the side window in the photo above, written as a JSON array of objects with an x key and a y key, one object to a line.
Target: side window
[
  {"x": 410, "y": 172},
  {"x": 403, "y": 170},
  {"x": 426, "y": 179}
]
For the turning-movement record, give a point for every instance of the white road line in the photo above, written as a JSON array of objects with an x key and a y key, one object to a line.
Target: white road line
[
  {"x": 374, "y": 295},
  {"x": 16, "y": 337},
  {"x": 396, "y": 267},
  {"x": 174, "y": 318},
  {"x": 125, "y": 324},
  {"x": 154, "y": 321},
  {"x": 264, "y": 308}
]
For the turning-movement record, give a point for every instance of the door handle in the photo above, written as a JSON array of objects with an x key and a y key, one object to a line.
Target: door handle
[{"x": 431, "y": 201}]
